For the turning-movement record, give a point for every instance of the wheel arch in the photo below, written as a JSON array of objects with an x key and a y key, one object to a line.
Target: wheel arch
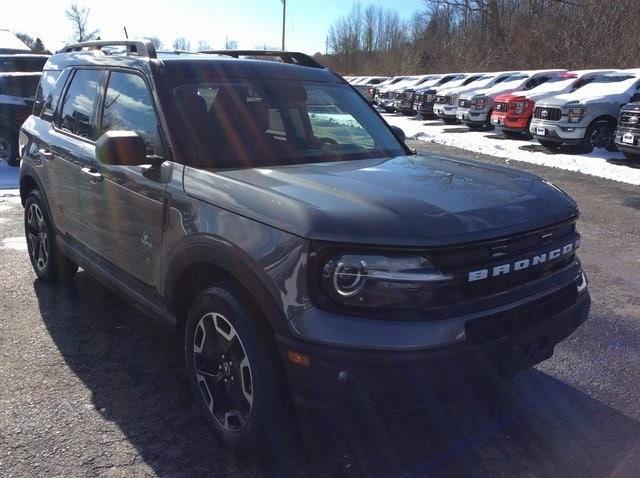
[
  {"x": 605, "y": 117},
  {"x": 200, "y": 264}
]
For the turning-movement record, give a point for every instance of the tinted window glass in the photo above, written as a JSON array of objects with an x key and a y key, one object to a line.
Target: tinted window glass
[
  {"x": 20, "y": 86},
  {"x": 79, "y": 103},
  {"x": 17, "y": 63},
  {"x": 45, "y": 88},
  {"x": 261, "y": 122},
  {"x": 128, "y": 107}
]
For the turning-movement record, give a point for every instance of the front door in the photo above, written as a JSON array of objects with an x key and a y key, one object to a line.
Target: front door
[{"x": 122, "y": 206}]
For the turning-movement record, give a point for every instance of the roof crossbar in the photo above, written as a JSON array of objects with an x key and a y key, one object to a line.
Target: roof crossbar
[
  {"x": 142, "y": 48},
  {"x": 292, "y": 57}
]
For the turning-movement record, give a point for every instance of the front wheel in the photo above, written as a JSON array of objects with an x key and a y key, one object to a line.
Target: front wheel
[
  {"x": 48, "y": 262},
  {"x": 599, "y": 134},
  {"x": 235, "y": 372}
]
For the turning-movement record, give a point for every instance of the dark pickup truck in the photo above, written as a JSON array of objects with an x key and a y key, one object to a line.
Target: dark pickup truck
[
  {"x": 17, "y": 92},
  {"x": 303, "y": 253},
  {"x": 627, "y": 136}
]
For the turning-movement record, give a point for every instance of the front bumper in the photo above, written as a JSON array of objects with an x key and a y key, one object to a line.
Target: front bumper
[
  {"x": 445, "y": 111},
  {"x": 472, "y": 117},
  {"x": 425, "y": 108},
  {"x": 554, "y": 132},
  {"x": 628, "y": 140},
  {"x": 518, "y": 124},
  {"x": 504, "y": 342},
  {"x": 407, "y": 106}
]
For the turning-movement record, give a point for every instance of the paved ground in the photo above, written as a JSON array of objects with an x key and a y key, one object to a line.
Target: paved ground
[{"x": 89, "y": 387}]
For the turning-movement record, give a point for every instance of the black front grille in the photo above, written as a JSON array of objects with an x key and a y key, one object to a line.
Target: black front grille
[
  {"x": 383, "y": 95},
  {"x": 398, "y": 95},
  {"x": 461, "y": 261},
  {"x": 512, "y": 321},
  {"x": 548, "y": 114},
  {"x": 464, "y": 103},
  {"x": 407, "y": 95},
  {"x": 501, "y": 106},
  {"x": 441, "y": 99},
  {"x": 630, "y": 119}
]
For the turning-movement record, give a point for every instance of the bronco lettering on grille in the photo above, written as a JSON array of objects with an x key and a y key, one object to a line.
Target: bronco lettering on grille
[{"x": 534, "y": 261}]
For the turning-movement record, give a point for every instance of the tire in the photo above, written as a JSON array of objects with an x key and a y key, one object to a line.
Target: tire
[
  {"x": 549, "y": 144},
  {"x": 631, "y": 156},
  {"x": 226, "y": 349},
  {"x": 488, "y": 125},
  {"x": 599, "y": 134},
  {"x": 8, "y": 149},
  {"x": 48, "y": 262}
]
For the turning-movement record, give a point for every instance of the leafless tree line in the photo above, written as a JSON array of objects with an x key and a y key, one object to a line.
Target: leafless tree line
[{"x": 487, "y": 35}]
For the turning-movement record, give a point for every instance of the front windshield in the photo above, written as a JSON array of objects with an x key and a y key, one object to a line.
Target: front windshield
[{"x": 258, "y": 122}]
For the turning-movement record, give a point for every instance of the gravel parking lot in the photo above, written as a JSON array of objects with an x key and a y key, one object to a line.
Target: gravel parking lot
[{"x": 90, "y": 387}]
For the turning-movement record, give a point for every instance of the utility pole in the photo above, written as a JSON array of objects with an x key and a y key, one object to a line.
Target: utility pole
[{"x": 284, "y": 10}]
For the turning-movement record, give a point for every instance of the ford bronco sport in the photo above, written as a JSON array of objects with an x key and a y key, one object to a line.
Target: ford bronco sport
[{"x": 267, "y": 213}]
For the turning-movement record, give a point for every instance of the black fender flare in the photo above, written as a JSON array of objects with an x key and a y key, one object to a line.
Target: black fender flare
[{"x": 213, "y": 251}]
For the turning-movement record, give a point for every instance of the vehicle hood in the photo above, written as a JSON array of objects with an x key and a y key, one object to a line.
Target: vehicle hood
[
  {"x": 596, "y": 93},
  {"x": 499, "y": 89},
  {"x": 405, "y": 201}
]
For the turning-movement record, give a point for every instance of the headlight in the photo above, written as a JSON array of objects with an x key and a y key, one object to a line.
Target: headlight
[
  {"x": 480, "y": 103},
  {"x": 380, "y": 280},
  {"x": 520, "y": 107},
  {"x": 576, "y": 114}
]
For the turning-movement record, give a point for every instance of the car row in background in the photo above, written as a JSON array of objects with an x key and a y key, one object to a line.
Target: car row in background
[
  {"x": 586, "y": 109},
  {"x": 19, "y": 78}
]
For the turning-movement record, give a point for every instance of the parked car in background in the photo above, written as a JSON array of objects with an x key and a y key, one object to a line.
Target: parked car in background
[
  {"x": 426, "y": 96},
  {"x": 17, "y": 93},
  {"x": 512, "y": 112},
  {"x": 382, "y": 86},
  {"x": 447, "y": 106},
  {"x": 22, "y": 63},
  {"x": 408, "y": 95},
  {"x": 627, "y": 137},
  {"x": 367, "y": 88},
  {"x": 475, "y": 109},
  {"x": 390, "y": 95},
  {"x": 586, "y": 118}
]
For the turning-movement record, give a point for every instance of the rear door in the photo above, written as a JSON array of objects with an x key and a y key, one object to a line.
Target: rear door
[{"x": 122, "y": 206}]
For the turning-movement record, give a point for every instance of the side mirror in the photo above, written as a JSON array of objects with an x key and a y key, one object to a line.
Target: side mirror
[
  {"x": 121, "y": 148},
  {"x": 398, "y": 133}
]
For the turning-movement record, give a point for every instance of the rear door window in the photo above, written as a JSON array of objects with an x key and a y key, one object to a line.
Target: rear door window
[{"x": 79, "y": 104}]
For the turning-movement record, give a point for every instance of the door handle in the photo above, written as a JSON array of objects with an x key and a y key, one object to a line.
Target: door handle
[
  {"x": 96, "y": 177},
  {"x": 45, "y": 153}
]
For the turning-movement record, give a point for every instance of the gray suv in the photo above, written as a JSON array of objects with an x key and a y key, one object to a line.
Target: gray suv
[{"x": 302, "y": 252}]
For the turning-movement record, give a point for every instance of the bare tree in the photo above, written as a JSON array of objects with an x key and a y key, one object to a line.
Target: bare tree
[
  {"x": 230, "y": 44},
  {"x": 181, "y": 43},
  {"x": 203, "y": 45},
  {"x": 155, "y": 41},
  {"x": 79, "y": 19}
]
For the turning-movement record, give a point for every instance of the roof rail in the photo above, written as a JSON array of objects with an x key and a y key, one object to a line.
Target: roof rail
[
  {"x": 292, "y": 57},
  {"x": 134, "y": 47}
]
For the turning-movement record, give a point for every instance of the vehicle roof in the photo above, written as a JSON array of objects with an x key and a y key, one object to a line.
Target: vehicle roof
[
  {"x": 19, "y": 74},
  {"x": 179, "y": 62},
  {"x": 23, "y": 55},
  {"x": 581, "y": 73}
]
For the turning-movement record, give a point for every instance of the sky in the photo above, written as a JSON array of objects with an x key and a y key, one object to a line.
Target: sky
[{"x": 250, "y": 22}]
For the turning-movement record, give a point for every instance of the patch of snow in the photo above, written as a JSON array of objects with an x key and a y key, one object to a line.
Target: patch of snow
[
  {"x": 14, "y": 243},
  {"x": 601, "y": 163}
]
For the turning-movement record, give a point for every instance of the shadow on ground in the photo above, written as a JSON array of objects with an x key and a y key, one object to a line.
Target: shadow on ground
[{"x": 533, "y": 425}]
